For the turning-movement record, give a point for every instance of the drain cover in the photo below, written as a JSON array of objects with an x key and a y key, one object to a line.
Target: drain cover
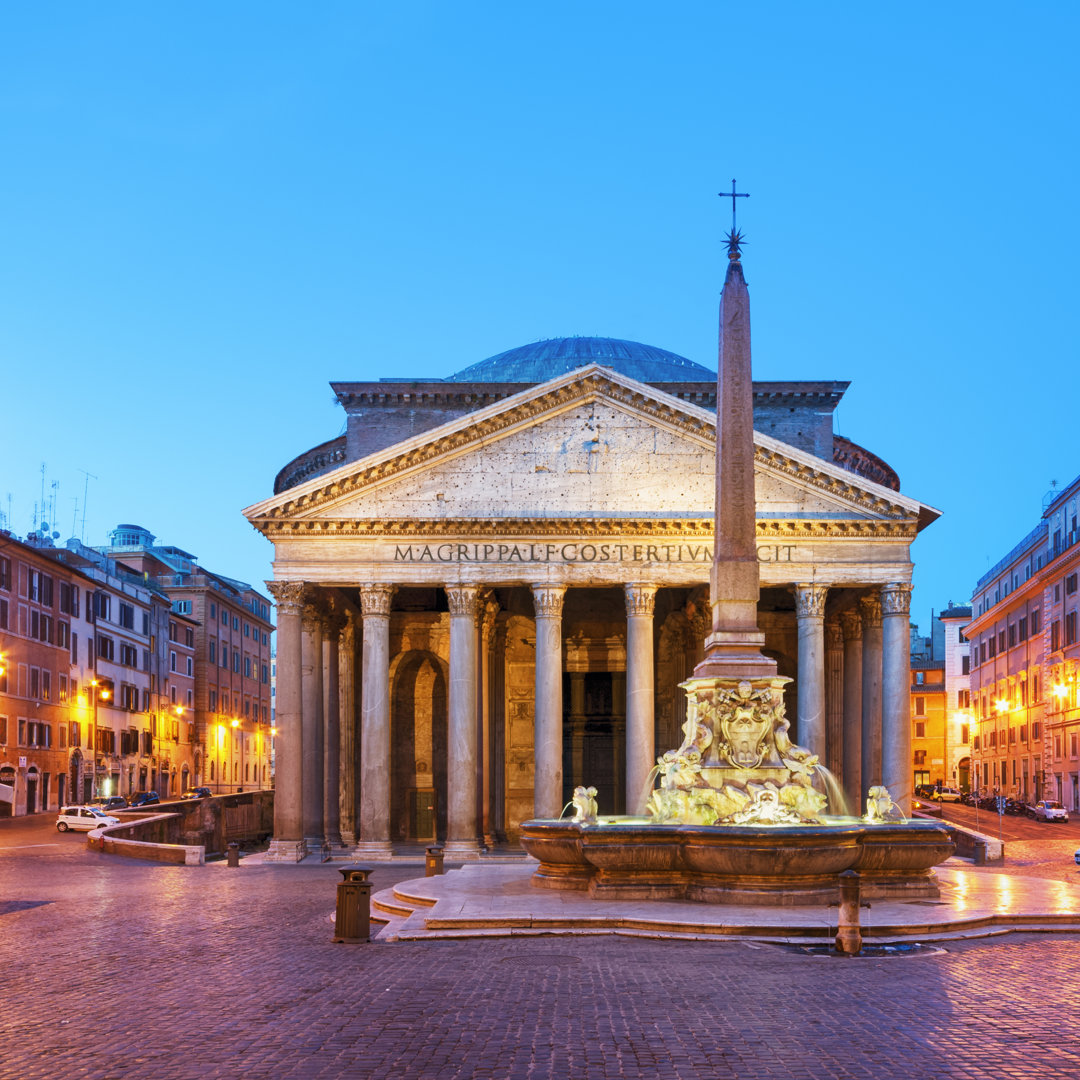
[{"x": 913, "y": 948}]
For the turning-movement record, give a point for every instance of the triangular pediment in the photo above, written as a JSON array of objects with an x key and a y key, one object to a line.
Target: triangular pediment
[{"x": 593, "y": 444}]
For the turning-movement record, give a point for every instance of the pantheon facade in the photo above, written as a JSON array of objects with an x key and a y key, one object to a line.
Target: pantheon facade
[{"x": 490, "y": 588}]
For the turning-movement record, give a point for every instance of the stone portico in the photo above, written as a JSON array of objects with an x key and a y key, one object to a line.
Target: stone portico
[{"x": 499, "y": 607}]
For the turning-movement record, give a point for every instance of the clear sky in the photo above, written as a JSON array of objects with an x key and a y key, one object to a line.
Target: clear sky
[{"x": 209, "y": 211}]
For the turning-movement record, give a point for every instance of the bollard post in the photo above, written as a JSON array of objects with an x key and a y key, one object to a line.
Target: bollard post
[
  {"x": 848, "y": 933},
  {"x": 979, "y": 854},
  {"x": 352, "y": 919},
  {"x": 233, "y": 853},
  {"x": 433, "y": 862}
]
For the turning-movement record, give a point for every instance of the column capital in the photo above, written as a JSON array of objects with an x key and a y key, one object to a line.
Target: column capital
[
  {"x": 375, "y": 599},
  {"x": 288, "y": 596},
  {"x": 871, "y": 612},
  {"x": 313, "y": 614},
  {"x": 462, "y": 599},
  {"x": 851, "y": 625},
  {"x": 834, "y": 638},
  {"x": 810, "y": 600},
  {"x": 896, "y": 598},
  {"x": 640, "y": 599},
  {"x": 548, "y": 599}
]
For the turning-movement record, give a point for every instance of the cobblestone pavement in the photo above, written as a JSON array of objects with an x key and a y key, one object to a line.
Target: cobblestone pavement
[{"x": 115, "y": 969}]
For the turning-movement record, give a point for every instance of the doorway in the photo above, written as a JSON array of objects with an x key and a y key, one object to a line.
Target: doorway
[{"x": 594, "y": 737}]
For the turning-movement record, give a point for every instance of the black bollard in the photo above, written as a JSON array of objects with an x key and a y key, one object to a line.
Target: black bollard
[
  {"x": 352, "y": 919},
  {"x": 433, "y": 862}
]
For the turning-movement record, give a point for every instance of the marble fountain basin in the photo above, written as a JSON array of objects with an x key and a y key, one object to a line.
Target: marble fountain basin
[{"x": 777, "y": 865}]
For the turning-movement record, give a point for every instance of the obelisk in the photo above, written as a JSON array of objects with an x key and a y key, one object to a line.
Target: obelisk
[{"x": 733, "y": 648}]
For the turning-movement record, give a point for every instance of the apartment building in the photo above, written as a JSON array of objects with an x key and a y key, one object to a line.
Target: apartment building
[
  {"x": 230, "y": 655},
  {"x": 1025, "y": 661}
]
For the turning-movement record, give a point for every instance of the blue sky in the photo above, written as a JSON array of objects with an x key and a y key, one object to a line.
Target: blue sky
[{"x": 208, "y": 212}]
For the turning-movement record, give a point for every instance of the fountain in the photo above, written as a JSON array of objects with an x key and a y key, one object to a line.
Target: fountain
[{"x": 739, "y": 814}]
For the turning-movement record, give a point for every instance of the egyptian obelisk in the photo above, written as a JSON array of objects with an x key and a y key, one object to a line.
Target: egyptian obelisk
[{"x": 733, "y": 648}]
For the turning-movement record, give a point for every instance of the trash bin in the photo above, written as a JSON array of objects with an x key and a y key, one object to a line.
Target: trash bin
[
  {"x": 233, "y": 853},
  {"x": 433, "y": 862},
  {"x": 352, "y": 918}
]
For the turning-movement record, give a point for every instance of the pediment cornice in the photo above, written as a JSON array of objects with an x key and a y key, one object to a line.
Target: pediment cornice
[
  {"x": 696, "y": 529},
  {"x": 549, "y": 399}
]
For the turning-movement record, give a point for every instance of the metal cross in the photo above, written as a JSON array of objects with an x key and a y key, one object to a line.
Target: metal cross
[{"x": 733, "y": 195}]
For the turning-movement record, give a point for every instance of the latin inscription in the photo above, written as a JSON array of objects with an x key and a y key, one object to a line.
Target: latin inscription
[{"x": 575, "y": 552}]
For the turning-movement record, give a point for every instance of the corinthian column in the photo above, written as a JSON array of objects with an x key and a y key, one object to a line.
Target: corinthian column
[
  {"x": 896, "y": 765},
  {"x": 375, "y": 722},
  {"x": 312, "y": 666},
  {"x": 810, "y": 610},
  {"x": 871, "y": 692},
  {"x": 547, "y": 785},
  {"x": 851, "y": 625},
  {"x": 347, "y": 708},
  {"x": 461, "y": 827},
  {"x": 640, "y": 694},
  {"x": 834, "y": 698},
  {"x": 332, "y": 727},
  {"x": 287, "y": 844}
]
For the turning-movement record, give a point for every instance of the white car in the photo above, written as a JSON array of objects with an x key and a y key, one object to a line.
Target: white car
[
  {"x": 83, "y": 817},
  {"x": 947, "y": 794},
  {"x": 1050, "y": 811}
]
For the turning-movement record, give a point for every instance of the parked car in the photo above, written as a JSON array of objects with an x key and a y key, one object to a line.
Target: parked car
[
  {"x": 1076, "y": 856},
  {"x": 144, "y": 798},
  {"x": 109, "y": 803},
  {"x": 947, "y": 794},
  {"x": 83, "y": 817},
  {"x": 197, "y": 793},
  {"x": 924, "y": 791},
  {"x": 1046, "y": 810}
]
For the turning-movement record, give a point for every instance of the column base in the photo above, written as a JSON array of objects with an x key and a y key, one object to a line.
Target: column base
[
  {"x": 374, "y": 850},
  {"x": 285, "y": 851},
  {"x": 461, "y": 850}
]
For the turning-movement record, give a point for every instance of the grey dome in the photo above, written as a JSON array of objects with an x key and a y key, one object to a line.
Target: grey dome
[{"x": 543, "y": 360}]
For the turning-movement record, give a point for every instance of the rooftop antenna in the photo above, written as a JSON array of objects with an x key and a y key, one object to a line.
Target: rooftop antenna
[
  {"x": 86, "y": 489},
  {"x": 74, "y": 514}
]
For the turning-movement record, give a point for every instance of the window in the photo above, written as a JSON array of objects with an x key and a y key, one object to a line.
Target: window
[
  {"x": 236, "y": 661},
  {"x": 189, "y": 637},
  {"x": 920, "y": 706},
  {"x": 1070, "y": 628},
  {"x": 102, "y": 605},
  {"x": 247, "y": 629},
  {"x": 182, "y": 607},
  {"x": 920, "y": 729},
  {"x": 1055, "y": 636},
  {"x": 965, "y": 665},
  {"x": 265, "y": 674},
  {"x": 1074, "y": 744},
  {"x": 5, "y": 573},
  {"x": 213, "y": 651},
  {"x": 1001, "y": 641},
  {"x": 213, "y": 700},
  {"x": 189, "y": 663},
  {"x": 105, "y": 647},
  {"x": 235, "y": 623},
  {"x": 964, "y": 733},
  {"x": 129, "y": 655},
  {"x": 1012, "y": 635},
  {"x": 172, "y": 660},
  {"x": 1070, "y": 585},
  {"x": 920, "y": 757},
  {"x": 1034, "y": 730},
  {"x": 172, "y": 631},
  {"x": 127, "y": 616},
  {"x": 1022, "y": 628},
  {"x": 213, "y": 611},
  {"x": 247, "y": 667},
  {"x": 920, "y": 677},
  {"x": 224, "y": 656},
  {"x": 1036, "y": 621},
  {"x": 129, "y": 697}
]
